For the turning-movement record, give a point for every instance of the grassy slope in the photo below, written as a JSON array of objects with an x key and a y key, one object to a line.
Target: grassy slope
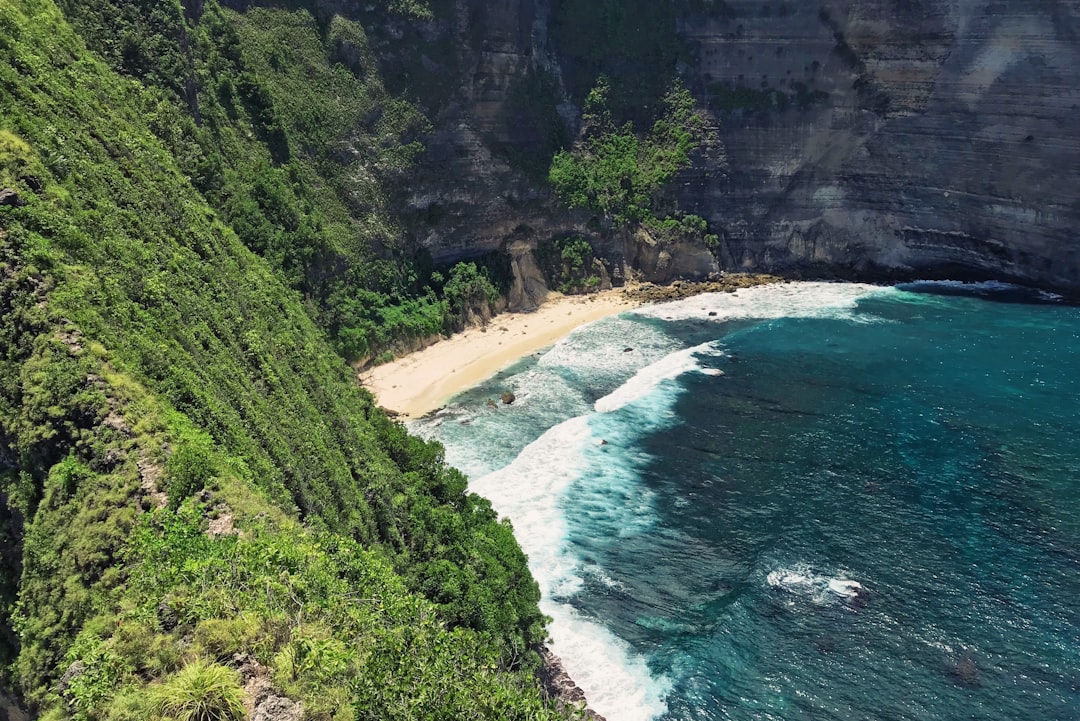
[
  {"x": 283, "y": 122},
  {"x": 146, "y": 349}
]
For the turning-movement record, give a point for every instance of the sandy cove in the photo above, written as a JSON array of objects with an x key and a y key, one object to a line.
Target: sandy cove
[{"x": 422, "y": 382}]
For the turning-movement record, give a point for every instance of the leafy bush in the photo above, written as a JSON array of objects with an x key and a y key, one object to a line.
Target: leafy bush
[
  {"x": 618, "y": 173},
  {"x": 569, "y": 263},
  {"x": 287, "y": 129},
  {"x": 189, "y": 467},
  {"x": 17, "y": 160},
  {"x": 94, "y": 669},
  {"x": 340, "y": 628},
  {"x": 469, "y": 291},
  {"x": 678, "y": 227}
]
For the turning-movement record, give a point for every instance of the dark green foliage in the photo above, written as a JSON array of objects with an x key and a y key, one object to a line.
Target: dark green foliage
[
  {"x": 331, "y": 619},
  {"x": 147, "y": 349},
  {"x": 570, "y": 264},
  {"x": 618, "y": 173},
  {"x": 145, "y": 38},
  {"x": 469, "y": 292},
  {"x": 363, "y": 322},
  {"x": 575, "y": 253},
  {"x": 622, "y": 175},
  {"x": 680, "y": 227},
  {"x": 190, "y": 467}
]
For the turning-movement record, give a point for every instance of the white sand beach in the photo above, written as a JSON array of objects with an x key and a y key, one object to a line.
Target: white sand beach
[{"x": 422, "y": 382}]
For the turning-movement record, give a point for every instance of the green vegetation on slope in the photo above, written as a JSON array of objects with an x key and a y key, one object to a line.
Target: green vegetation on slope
[
  {"x": 569, "y": 261},
  {"x": 326, "y": 620},
  {"x": 617, "y": 172},
  {"x": 283, "y": 122},
  {"x": 625, "y": 176},
  {"x": 169, "y": 411}
]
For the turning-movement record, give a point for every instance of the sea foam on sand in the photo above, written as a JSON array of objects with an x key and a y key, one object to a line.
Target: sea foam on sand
[{"x": 530, "y": 490}]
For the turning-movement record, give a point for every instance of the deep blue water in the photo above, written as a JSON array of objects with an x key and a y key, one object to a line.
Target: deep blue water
[{"x": 808, "y": 501}]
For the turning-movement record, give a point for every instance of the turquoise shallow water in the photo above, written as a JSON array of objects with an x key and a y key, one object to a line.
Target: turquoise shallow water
[{"x": 808, "y": 501}]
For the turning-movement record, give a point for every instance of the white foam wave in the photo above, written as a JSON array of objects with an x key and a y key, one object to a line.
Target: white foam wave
[
  {"x": 614, "y": 347},
  {"x": 993, "y": 286},
  {"x": 788, "y": 579},
  {"x": 529, "y": 491},
  {"x": 597, "y": 572},
  {"x": 636, "y": 358},
  {"x": 820, "y": 588},
  {"x": 542, "y": 399},
  {"x": 617, "y": 682},
  {"x": 845, "y": 587},
  {"x": 787, "y": 300},
  {"x": 648, "y": 378}
]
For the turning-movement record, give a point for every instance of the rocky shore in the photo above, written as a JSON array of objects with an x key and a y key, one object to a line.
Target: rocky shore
[
  {"x": 559, "y": 687},
  {"x": 724, "y": 283}
]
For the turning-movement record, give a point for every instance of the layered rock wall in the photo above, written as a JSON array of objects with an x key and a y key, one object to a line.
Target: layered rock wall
[
  {"x": 868, "y": 138},
  {"x": 468, "y": 197},
  {"x": 918, "y": 138}
]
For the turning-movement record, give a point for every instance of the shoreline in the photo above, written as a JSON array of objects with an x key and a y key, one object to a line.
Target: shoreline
[{"x": 421, "y": 382}]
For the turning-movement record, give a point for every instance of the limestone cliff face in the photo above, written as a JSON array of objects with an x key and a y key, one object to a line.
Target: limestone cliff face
[
  {"x": 919, "y": 137},
  {"x": 862, "y": 138},
  {"x": 468, "y": 198}
]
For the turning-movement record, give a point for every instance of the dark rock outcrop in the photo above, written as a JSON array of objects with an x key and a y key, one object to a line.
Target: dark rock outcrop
[
  {"x": 660, "y": 262},
  {"x": 726, "y": 283},
  {"x": 529, "y": 288},
  {"x": 11, "y": 198},
  {"x": 10, "y": 710},
  {"x": 558, "y": 685}
]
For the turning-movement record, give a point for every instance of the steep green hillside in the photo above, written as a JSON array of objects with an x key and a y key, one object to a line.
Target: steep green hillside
[
  {"x": 190, "y": 471},
  {"x": 281, "y": 119}
]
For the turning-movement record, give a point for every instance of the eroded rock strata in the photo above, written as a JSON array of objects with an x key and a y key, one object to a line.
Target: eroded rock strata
[{"x": 869, "y": 139}]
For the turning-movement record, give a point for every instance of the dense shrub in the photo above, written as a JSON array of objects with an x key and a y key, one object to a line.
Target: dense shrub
[
  {"x": 617, "y": 172},
  {"x": 570, "y": 264}
]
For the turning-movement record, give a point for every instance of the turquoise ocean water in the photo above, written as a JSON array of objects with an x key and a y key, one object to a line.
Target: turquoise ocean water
[{"x": 807, "y": 501}]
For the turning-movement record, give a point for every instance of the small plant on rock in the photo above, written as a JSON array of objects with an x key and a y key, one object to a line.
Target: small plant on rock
[{"x": 201, "y": 691}]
